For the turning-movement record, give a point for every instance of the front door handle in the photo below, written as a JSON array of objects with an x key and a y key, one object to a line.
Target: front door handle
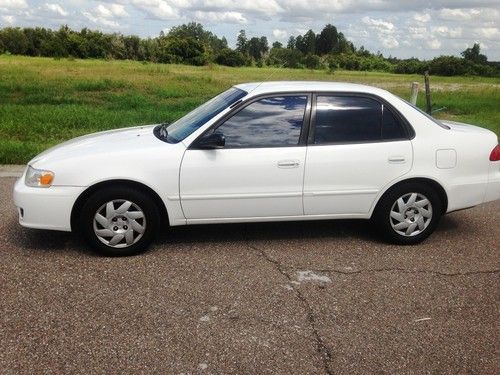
[
  {"x": 397, "y": 159},
  {"x": 288, "y": 164}
]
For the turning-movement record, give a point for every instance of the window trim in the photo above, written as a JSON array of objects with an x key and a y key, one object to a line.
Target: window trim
[
  {"x": 304, "y": 132},
  {"x": 407, "y": 128}
]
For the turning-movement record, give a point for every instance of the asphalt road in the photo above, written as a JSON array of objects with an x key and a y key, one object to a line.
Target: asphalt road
[{"x": 286, "y": 298}]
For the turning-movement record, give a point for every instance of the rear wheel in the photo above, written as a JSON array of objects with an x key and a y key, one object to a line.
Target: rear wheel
[
  {"x": 119, "y": 221},
  {"x": 408, "y": 213}
]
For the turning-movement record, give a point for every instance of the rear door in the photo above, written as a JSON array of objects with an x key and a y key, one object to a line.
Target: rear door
[
  {"x": 260, "y": 171},
  {"x": 357, "y": 145}
]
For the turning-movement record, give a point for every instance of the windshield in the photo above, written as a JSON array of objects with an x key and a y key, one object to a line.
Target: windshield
[{"x": 186, "y": 125}]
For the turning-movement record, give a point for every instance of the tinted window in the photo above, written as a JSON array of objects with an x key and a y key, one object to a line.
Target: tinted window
[
  {"x": 269, "y": 122},
  {"x": 354, "y": 119},
  {"x": 391, "y": 127}
]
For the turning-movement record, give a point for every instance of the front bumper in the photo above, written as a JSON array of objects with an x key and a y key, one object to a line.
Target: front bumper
[{"x": 45, "y": 208}]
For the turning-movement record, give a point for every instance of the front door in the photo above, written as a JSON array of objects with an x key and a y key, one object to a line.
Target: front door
[{"x": 259, "y": 172}]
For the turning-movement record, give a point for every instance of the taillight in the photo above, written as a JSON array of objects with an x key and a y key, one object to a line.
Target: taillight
[{"x": 495, "y": 154}]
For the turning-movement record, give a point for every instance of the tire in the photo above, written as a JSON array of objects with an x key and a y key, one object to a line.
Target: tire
[
  {"x": 119, "y": 221},
  {"x": 410, "y": 220}
]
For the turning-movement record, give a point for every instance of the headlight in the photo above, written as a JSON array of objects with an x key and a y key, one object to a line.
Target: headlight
[{"x": 38, "y": 177}]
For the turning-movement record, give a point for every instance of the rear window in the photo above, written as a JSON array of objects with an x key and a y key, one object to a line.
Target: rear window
[{"x": 348, "y": 119}]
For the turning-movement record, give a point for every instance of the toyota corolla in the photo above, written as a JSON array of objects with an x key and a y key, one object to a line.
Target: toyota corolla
[{"x": 271, "y": 151}]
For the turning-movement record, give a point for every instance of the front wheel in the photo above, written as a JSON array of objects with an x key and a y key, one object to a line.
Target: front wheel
[
  {"x": 408, "y": 213},
  {"x": 119, "y": 221}
]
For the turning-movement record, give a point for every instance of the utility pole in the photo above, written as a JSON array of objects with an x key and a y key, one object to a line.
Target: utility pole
[{"x": 427, "y": 93}]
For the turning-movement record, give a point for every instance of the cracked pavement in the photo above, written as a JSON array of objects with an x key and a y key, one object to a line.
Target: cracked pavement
[{"x": 275, "y": 298}]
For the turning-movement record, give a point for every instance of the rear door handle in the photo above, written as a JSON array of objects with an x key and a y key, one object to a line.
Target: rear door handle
[
  {"x": 288, "y": 164},
  {"x": 397, "y": 159}
]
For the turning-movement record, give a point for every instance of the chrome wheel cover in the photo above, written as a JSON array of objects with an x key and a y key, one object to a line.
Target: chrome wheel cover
[
  {"x": 119, "y": 223},
  {"x": 411, "y": 214}
]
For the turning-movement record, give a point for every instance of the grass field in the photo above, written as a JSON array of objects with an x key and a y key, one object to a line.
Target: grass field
[{"x": 45, "y": 101}]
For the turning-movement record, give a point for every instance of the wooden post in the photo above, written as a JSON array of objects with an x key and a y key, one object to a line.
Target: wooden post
[
  {"x": 414, "y": 93},
  {"x": 427, "y": 93}
]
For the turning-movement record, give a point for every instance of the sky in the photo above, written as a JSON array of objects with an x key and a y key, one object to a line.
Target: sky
[{"x": 404, "y": 28}]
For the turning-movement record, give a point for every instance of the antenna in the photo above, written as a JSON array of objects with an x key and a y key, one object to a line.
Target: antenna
[{"x": 268, "y": 76}]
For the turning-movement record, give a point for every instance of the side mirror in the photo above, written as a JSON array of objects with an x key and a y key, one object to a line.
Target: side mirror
[{"x": 211, "y": 142}]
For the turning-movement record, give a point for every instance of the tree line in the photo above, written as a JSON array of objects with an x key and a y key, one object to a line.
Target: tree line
[{"x": 192, "y": 44}]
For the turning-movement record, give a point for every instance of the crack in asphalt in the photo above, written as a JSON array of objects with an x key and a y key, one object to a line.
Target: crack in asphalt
[
  {"x": 403, "y": 270},
  {"x": 321, "y": 348}
]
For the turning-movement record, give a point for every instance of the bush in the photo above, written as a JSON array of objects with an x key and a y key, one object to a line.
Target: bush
[
  {"x": 448, "y": 66},
  {"x": 351, "y": 61},
  {"x": 411, "y": 66},
  {"x": 284, "y": 57},
  {"x": 230, "y": 57},
  {"x": 312, "y": 61},
  {"x": 186, "y": 51}
]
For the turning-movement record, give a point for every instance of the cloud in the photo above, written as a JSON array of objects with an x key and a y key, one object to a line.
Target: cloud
[
  {"x": 110, "y": 11},
  {"x": 389, "y": 42},
  {"x": 159, "y": 9},
  {"x": 280, "y": 34},
  {"x": 458, "y": 14},
  {"x": 490, "y": 33},
  {"x": 224, "y": 17},
  {"x": 379, "y": 25},
  {"x": 418, "y": 32},
  {"x": 434, "y": 44},
  {"x": 422, "y": 17},
  {"x": 13, "y": 4},
  {"x": 268, "y": 8},
  {"x": 101, "y": 21},
  {"x": 9, "y": 20},
  {"x": 447, "y": 31},
  {"x": 56, "y": 8}
]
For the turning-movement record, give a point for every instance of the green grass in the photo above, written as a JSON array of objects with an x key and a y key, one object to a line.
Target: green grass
[{"x": 45, "y": 101}]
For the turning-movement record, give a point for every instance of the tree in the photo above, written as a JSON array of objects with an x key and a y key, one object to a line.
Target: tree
[
  {"x": 300, "y": 44},
  {"x": 448, "y": 66},
  {"x": 14, "y": 40},
  {"x": 186, "y": 51},
  {"x": 264, "y": 46},
  {"x": 327, "y": 41},
  {"x": 312, "y": 61},
  {"x": 473, "y": 54},
  {"x": 132, "y": 47},
  {"x": 35, "y": 39},
  {"x": 277, "y": 45},
  {"x": 257, "y": 47},
  {"x": 343, "y": 45},
  {"x": 149, "y": 48},
  {"x": 192, "y": 30},
  {"x": 196, "y": 32},
  {"x": 242, "y": 42},
  {"x": 230, "y": 57},
  {"x": 284, "y": 57},
  {"x": 291, "y": 43},
  {"x": 310, "y": 42}
]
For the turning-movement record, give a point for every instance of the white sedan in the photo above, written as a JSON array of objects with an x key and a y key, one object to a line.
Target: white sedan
[{"x": 271, "y": 151}]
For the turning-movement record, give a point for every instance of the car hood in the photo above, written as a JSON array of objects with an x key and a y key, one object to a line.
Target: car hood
[{"x": 106, "y": 142}]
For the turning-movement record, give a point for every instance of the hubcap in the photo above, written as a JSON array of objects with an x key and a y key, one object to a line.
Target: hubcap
[
  {"x": 119, "y": 223},
  {"x": 411, "y": 214}
]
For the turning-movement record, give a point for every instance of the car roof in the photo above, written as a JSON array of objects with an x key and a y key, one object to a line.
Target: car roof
[{"x": 258, "y": 88}]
